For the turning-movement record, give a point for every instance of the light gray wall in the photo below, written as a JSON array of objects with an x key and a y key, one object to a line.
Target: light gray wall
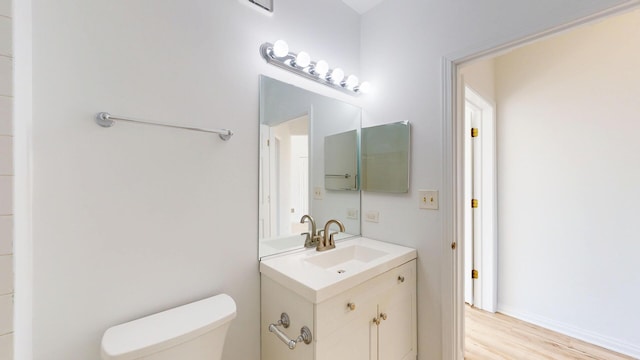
[
  {"x": 568, "y": 175},
  {"x": 6, "y": 181},
  {"x": 403, "y": 45},
  {"x": 132, "y": 220}
]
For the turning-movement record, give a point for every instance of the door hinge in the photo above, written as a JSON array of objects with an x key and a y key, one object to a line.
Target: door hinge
[
  {"x": 474, "y": 203},
  {"x": 474, "y": 274},
  {"x": 474, "y": 132}
]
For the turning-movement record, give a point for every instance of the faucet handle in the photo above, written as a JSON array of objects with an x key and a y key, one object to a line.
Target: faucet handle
[
  {"x": 332, "y": 243},
  {"x": 310, "y": 241},
  {"x": 307, "y": 241}
]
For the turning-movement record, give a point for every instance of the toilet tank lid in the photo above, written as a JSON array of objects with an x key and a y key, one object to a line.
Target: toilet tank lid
[{"x": 166, "y": 329}]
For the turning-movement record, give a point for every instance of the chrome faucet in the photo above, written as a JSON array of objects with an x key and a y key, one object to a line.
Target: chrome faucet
[
  {"x": 326, "y": 241},
  {"x": 312, "y": 238}
]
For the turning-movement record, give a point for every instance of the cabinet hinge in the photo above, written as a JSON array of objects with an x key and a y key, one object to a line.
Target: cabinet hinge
[
  {"x": 474, "y": 203},
  {"x": 474, "y": 274},
  {"x": 474, "y": 132}
]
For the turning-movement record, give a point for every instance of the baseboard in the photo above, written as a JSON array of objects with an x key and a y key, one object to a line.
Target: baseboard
[{"x": 606, "y": 342}]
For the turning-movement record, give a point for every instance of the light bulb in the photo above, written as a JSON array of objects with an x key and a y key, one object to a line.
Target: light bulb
[
  {"x": 337, "y": 75},
  {"x": 280, "y": 48},
  {"x": 364, "y": 88},
  {"x": 321, "y": 68},
  {"x": 351, "y": 82},
  {"x": 303, "y": 59}
]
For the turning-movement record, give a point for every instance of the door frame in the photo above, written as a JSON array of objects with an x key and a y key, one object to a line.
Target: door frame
[
  {"x": 452, "y": 284},
  {"x": 484, "y": 218}
]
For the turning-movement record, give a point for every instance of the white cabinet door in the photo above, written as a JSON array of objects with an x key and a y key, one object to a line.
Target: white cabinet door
[
  {"x": 397, "y": 333},
  {"x": 353, "y": 340}
]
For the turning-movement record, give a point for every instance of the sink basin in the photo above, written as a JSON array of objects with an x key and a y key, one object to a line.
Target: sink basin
[
  {"x": 346, "y": 258},
  {"x": 317, "y": 276}
]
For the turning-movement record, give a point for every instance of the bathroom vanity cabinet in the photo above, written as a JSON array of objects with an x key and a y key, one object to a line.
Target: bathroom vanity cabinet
[{"x": 374, "y": 320}]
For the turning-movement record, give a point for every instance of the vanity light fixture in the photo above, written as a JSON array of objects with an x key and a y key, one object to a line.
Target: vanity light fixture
[
  {"x": 336, "y": 77},
  {"x": 350, "y": 82},
  {"x": 278, "y": 54},
  {"x": 302, "y": 60},
  {"x": 320, "y": 69},
  {"x": 280, "y": 49}
]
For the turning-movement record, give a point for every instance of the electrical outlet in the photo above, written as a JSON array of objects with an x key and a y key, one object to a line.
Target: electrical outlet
[
  {"x": 372, "y": 216},
  {"x": 352, "y": 214},
  {"x": 428, "y": 199},
  {"x": 318, "y": 193}
]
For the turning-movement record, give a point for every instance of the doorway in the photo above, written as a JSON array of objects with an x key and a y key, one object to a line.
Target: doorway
[
  {"x": 453, "y": 270},
  {"x": 284, "y": 180}
]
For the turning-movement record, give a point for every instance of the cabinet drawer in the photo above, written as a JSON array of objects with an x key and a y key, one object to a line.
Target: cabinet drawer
[{"x": 336, "y": 312}]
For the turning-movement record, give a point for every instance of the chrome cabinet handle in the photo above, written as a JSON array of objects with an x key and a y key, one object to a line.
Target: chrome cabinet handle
[{"x": 351, "y": 306}]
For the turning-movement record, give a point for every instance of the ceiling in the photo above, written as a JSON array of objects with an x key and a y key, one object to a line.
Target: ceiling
[{"x": 362, "y": 6}]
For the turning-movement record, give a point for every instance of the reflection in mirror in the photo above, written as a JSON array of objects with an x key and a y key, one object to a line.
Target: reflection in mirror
[
  {"x": 341, "y": 161},
  {"x": 293, "y": 126},
  {"x": 385, "y": 157}
]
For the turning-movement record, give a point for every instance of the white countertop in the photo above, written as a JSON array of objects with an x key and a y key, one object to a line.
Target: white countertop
[{"x": 300, "y": 272}]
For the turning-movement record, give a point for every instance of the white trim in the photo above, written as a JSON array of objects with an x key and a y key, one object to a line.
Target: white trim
[
  {"x": 22, "y": 200},
  {"x": 452, "y": 287},
  {"x": 488, "y": 252},
  {"x": 591, "y": 337},
  {"x": 467, "y": 235},
  {"x": 491, "y": 50}
]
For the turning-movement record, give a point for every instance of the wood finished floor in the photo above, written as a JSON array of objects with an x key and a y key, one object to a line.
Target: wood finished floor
[{"x": 497, "y": 336}]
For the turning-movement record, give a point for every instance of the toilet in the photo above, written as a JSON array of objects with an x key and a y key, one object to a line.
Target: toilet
[{"x": 195, "y": 331}]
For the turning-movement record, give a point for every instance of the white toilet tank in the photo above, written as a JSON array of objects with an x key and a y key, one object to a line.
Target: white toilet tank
[{"x": 194, "y": 331}]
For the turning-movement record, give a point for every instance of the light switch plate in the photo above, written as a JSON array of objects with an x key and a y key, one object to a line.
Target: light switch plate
[
  {"x": 428, "y": 199},
  {"x": 352, "y": 214}
]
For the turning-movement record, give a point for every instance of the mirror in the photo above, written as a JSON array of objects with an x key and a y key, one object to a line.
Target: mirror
[
  {"x": 341, "y": 161},
  {"x": 294, "y": 125},
  {"x": 385, "y": 157}
]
